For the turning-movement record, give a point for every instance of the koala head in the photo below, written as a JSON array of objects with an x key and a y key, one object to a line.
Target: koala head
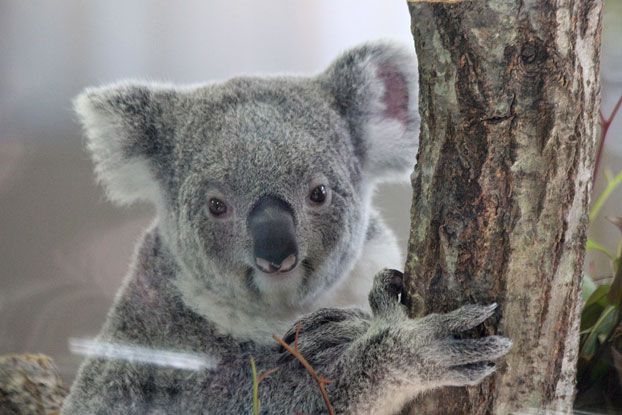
[{"x": 262, "y": 185}]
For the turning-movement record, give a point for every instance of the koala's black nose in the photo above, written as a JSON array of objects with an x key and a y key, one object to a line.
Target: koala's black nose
[{"x": 271, "y": 225}]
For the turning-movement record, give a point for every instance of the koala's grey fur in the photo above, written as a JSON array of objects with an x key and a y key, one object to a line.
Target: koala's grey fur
[{"x": 193, "y": 286}]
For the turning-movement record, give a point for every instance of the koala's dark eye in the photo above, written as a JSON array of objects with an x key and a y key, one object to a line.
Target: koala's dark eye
[
  {"x": 318, "y": 194},
  {"x": 217, "y": 207}
]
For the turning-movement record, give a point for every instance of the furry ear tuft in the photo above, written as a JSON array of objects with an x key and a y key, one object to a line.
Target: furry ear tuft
[
  {"x": 375, "y": 88},
  {"x": 126, "y": 136}
]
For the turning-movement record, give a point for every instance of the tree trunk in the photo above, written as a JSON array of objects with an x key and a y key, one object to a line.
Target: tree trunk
[{"x": 509, "y": 104}]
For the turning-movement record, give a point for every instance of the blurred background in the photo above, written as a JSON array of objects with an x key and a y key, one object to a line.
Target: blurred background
[{"x": 63, "y": 248}]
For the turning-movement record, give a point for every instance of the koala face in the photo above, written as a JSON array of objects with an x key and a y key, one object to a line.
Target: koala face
[
  {"x": 262, "y": 185},
  {"x": 273, "y": 197}
]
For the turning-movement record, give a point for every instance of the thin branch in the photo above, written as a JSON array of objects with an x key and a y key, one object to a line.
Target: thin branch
[
  {"x": 615, "y": 110},
  {"x": 265, "y": 374},
  {"x": 320, "y": 380},
  {"x": 605, "y": 123}
]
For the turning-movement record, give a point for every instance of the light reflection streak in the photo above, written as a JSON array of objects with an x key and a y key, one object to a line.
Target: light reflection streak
[
  {"x": 140, "y": 354},
  {"x": 544, "y": 411}
]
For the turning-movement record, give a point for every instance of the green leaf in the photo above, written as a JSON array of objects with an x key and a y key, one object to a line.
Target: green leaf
[
  {"x": 604, "y": 326},
  {"x": 615, "y": 292},
  {"x": 592, "y": 245},
  {"x": 590, "y": 316},
  {"x": 594, "y": 306},
  {"x": 598, "y": 296},
  {"x": 587, "y": 287},
  {"x": 602, "y": 198},
  {"x": 599, "y": 369}
]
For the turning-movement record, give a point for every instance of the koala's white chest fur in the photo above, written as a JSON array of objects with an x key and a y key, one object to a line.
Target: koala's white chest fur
[
  {"x": 246, "y": 321},
  {"x": 381, "y": 251}
]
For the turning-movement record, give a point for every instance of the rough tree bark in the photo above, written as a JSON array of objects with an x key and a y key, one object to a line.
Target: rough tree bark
[{"x": 509, "y": 104}]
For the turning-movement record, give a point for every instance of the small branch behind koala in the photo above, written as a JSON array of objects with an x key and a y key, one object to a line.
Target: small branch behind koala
[{"x": 319, "y": 379}]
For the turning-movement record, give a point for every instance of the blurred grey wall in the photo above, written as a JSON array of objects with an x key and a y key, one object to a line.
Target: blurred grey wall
[{"x": 63, "y": 248}]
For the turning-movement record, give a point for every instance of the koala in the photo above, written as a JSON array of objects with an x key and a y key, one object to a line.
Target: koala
[{"x": 265, "y": 226}]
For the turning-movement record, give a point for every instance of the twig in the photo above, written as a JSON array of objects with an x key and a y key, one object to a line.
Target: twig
[
  {"x": 265, "y": 374},
  {"x": 320, "y": 380},
  {"x": 605, "y": 123},
  {"x": 296, "y": 336}
]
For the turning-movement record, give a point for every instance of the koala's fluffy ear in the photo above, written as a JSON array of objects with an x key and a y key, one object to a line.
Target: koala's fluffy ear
[
  {"x": 375, "y": 87},
  {"x": 128, "y": 134}
]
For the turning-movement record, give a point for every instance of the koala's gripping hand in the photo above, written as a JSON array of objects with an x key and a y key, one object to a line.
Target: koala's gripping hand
[
  {"x": 380, "y": 363},
  {"x": 430, "y": 340}
]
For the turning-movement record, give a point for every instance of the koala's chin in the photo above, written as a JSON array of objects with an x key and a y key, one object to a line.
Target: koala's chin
[{"x": 282, "y": 288}]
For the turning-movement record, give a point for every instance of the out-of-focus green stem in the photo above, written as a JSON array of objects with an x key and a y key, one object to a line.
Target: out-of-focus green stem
[
  {"x": 602, "y": 198},
  {"x": 255, "y": 388}
]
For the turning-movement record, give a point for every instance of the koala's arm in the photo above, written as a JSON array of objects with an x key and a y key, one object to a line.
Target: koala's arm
[
  {"x": 375, "y": 365},
  {"x": 146, "y": 320},
  {"x": 114, "y": 387}
]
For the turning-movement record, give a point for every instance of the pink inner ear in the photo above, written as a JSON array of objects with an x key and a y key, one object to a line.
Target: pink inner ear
[{"x": 395, "y": 96}]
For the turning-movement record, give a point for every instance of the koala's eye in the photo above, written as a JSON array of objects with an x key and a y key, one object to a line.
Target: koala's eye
[
  {"x": 217, "y": 207},
  {"x": 318, "y": 194}
]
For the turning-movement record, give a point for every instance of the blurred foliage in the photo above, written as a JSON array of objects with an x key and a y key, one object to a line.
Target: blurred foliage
[{"x": 599, "y": 374}]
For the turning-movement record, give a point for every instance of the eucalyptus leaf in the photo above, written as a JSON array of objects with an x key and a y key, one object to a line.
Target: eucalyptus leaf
[
  {"x": 599, "y": 369},
  {"x": 604, "y": 326},
  {"x": 587, "y": 287},
  {"x": 604, "y": 195},
  {"x": 590, "y": 316},
  {"x": 598, "y": 296},
  {"x": 615, "y": 292}
]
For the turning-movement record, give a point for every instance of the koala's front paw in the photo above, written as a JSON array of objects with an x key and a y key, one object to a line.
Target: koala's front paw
[
  {"x": 319, "y": 336},
  {"x": 429, "y": 352}
]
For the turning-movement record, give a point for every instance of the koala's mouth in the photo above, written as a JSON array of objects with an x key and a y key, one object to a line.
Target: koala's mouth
[{"x": 259, "y": 281}]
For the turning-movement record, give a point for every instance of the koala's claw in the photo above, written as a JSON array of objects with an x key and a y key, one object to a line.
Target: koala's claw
[
  {"x": 468, "y": 375},
  {"x": 459, "y": 320},
  {"x": 450, "y": 352},
  {"x": 462, "y": 362},
  {"x": 388, "y": 285}
]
